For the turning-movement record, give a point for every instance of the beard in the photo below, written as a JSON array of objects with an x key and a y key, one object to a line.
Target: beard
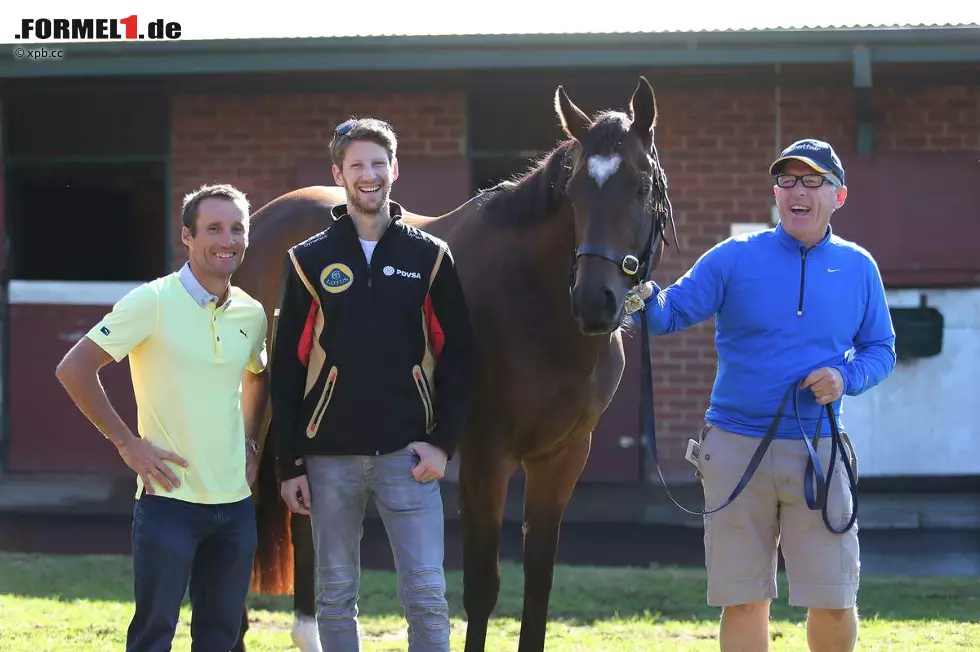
[{"x": 373, "y": 204}]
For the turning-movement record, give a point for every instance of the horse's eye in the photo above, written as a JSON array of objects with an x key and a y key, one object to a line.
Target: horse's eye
[{"x": 645, "y": 187}]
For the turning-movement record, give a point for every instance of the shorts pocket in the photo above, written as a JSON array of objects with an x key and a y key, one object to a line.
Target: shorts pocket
[
  {"x": 851, "y": 454},
  {"x": 707, "y": 543},
  {"x": 850, "y": 549},
  {"x": 705, "y": 429},
  {"x": 703, "y": 455},
  {"x": 850, "y": 546}
]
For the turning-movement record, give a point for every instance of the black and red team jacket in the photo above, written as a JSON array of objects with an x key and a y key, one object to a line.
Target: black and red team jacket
[{"x": 368, "y": 358}]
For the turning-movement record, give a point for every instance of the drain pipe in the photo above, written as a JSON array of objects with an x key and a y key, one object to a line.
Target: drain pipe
[{"x": 778, "y": 135}]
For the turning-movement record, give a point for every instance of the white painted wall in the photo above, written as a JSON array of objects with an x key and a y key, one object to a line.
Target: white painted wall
[
  {"x": 922, "y": 419},
  {"x": 69, "y": 293}
]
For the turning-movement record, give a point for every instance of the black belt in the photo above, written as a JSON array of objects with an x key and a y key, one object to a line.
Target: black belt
[{"x": 815, "y": 490}]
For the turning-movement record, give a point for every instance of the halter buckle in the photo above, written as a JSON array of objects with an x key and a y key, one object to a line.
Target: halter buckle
[{"x": 631, "y": 265}]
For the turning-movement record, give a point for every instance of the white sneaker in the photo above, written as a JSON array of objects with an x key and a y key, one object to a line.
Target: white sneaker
[{"x": 306, "y": 636}]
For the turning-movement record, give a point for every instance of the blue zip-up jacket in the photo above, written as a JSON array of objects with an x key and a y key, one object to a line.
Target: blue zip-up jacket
[{"x": 781, "y": 311}]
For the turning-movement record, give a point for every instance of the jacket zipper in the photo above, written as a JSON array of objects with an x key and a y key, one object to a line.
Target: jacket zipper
[
  {"x": 370, "y": 297},
  {"x": 799, "y": 307},
  {"x": 368, "y": 263}
]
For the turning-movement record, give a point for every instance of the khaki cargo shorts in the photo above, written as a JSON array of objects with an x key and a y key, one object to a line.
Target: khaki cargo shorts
[{"x": 740, "y": 541}]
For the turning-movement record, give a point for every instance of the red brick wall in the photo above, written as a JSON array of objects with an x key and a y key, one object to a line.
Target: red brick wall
[
  {"x": 716, "y": 146},
  {"x": 928, "y": 118},
  {"x": 257, "y": 141}
]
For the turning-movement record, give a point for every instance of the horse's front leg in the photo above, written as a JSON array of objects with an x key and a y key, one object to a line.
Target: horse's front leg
[
  {"x": 305, "y": 635},
  {"x": 483, "y": 476},
  {"x": 548, "y": 488}
]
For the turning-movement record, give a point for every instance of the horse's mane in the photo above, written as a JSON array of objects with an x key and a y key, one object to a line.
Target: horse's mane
[
  {"x": 532, "y": 194},
  {"x": 537, "y": 192}
]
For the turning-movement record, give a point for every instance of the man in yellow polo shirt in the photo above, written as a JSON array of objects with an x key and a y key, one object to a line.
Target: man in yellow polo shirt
[{"x": 197, "y": 354}]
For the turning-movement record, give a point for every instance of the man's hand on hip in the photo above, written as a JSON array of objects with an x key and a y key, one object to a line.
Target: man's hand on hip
[
  {"x": 432, "y": 462},
  {"x": 826, "y": 383},
  {"x": 150, "y": 462},
  {"x": 296, "y": 494}
]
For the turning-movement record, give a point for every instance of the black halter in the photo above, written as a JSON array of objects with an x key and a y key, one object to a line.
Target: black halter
[{"x": 636, "y": 266}]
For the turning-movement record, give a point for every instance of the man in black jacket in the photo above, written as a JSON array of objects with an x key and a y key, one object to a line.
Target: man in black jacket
[{"x": 373, "y": 368}]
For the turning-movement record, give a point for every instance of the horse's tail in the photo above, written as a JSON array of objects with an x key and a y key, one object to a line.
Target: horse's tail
[{"x": 272, "y": 569}]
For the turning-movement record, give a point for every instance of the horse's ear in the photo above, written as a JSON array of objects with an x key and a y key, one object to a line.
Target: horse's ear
[
  {"x": 643, "y": 107},
  {"x": 573, "y": 121}
]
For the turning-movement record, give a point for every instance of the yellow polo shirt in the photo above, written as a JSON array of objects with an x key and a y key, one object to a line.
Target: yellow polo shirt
[{"x": 187, "y": 358}]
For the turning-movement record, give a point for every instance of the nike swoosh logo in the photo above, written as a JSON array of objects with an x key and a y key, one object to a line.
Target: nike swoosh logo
[{"x": 833, "y": 270}]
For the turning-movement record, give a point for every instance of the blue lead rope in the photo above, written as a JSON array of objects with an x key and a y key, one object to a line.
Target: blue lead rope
[{"x": 815, "y": 486}]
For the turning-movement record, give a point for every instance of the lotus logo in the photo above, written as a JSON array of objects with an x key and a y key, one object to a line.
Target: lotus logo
[{"x": 336, "y": 278}]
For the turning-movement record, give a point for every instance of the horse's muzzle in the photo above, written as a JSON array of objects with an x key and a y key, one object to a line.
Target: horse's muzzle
[{"x": 596, "y": 310}]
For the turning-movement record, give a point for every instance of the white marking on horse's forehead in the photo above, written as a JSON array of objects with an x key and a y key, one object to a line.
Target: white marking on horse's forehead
[{"x": 603, "y": 167}]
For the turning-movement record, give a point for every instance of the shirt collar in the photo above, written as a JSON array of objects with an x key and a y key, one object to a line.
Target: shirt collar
[
  {"x": 394, "y": 211},
  {"x": 795, "y": 245},
  {"x": 197, "y": 291}
]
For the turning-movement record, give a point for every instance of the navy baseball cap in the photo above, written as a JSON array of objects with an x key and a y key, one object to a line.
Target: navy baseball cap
[{"x": 816, "y": 153}]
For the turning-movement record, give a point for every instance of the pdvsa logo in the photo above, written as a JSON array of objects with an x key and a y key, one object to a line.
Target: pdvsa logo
[
  {"x": 391, "y": 271},
  {"x": 98, "y": 29}
]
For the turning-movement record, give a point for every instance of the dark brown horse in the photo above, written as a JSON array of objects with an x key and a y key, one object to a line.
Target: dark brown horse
[{"x": 546, "y": 263}]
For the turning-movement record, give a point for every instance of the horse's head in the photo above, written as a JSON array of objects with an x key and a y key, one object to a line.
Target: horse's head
[{"x": 619, "y": 194}]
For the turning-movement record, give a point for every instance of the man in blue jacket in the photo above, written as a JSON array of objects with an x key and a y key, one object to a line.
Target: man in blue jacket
[{"x": 791, "y": 303}]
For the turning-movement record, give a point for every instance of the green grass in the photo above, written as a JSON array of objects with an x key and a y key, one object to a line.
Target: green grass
[{"x": 83, "y": 604}]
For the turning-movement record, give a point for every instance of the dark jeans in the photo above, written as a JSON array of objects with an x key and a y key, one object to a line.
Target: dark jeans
[{"x": 209, "y": 546}]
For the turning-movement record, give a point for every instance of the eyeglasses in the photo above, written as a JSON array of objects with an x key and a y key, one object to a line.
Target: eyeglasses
[
  {"x": 347, "y": 126},
  {"x": 809, "y": 180}
]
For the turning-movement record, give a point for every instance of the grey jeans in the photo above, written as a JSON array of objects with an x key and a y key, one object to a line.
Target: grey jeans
[{"x": 413, "y": 517}]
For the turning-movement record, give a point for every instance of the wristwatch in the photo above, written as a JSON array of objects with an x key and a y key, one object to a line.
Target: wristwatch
[{"x": 252, "y": 445}]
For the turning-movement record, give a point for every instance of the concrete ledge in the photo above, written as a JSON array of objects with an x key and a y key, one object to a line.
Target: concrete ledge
[
  {"x": 591, "y": 503},
  {"x": 75, "y": 494}
]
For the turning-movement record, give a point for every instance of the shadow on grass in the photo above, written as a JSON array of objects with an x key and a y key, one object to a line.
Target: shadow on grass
[{"x": 580, "y": 595}]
